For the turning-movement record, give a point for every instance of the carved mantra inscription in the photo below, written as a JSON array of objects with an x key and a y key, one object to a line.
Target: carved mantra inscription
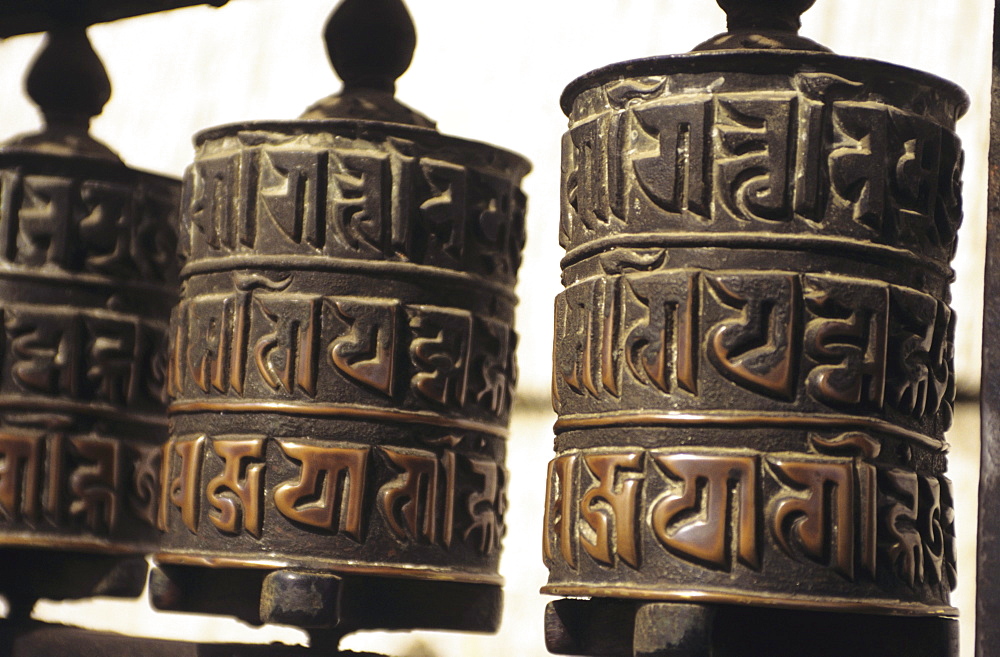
[
  {"x": 350, "y": 286},
  {"x": 823, "y": 158},
  {"x": 770, "y": 340},
  {"x": 731, "y": 511},
  {"x": 122, "y": 230},
  {"x": 109, "y": 359},
  {"x": 88, "y": 275},
  {"x": 753, "y": 353},
  {"x": 356, "y": 203},
  {"x": 54, "y": 483},
  {"x": 340, "y": 497},
  {"x": 279, "y": 345}
]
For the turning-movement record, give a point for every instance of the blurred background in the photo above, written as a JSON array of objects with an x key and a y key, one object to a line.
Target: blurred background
[{"x": 493, "y": 71}]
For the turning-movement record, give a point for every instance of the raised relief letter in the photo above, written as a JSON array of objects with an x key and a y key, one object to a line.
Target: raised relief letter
[
  {"x": 485, "y": 506},
  {"x": 440, "y": 352},
  {"x": 913, "y": 320},
  {"x": 182, "y": 491},
  {"x": 366, "y": 353},
  {"x": 410, "y": 502},
  {"x": 293, "y": 194},
  {"x": 288, "y": 357},
  {"x": 237, "y": 493},
  {"x": 46, "y": 350},
  {"x": 674, "y": 175},
  {"x": 45, "y": 235},
  {"x": 814, "y": 514},
  {"x": 662, "y": 344},
  {"x": 360, "y": 207},
  {"x": 217, "y": 341},
  {"x": 858, "y": 165},
  {"x": 901, "y": 490},
  {"x": 560, "y": 510},
  {"x": 847, "y": 336},
  {"x": 97, "y": 483},
  {"x": 717, "y": 501},
  {"x": 609, "y": 509},
  {"x": 595, "y": 188},
  {"x": 752, "y": 156},
  {"x": 758, "y": 346},
  {"x": 445, "y": 213},
  {"x": 493, "y": 366},
  {"x": 20, "y": 476},
  {"x": 114, "y": 358},
  {"x": 330, "y": 490}
]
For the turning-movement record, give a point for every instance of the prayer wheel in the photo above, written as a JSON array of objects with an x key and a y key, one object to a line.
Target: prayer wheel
[
  {"x": 88, "y": 276},
  {"x": 342, "y": 360},
  {"x": 753, "y": 354}
]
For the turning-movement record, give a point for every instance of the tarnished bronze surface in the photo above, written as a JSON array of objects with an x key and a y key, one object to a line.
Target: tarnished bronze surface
[
  {"x": 88, "y": 277},
  {"x": 342, "y": 361},
  {"x": 753, "y": 353},
  {"x": 27, "y": 16}
]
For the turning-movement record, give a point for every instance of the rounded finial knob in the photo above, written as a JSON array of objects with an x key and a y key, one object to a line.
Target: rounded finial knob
[
  {"x": 68, "y": 80},
  {"x": 371, "y": 43},
  {"x": 763, "y": 25},
  {"x": 782, "y": 15},
  {"x": 70, "y": 85}
]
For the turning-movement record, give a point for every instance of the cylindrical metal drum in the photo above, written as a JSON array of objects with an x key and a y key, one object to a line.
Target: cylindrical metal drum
[
  {"x": 342, "y": 364},
  {"x": 753, "y": 353},
  {"x": 87, "y": 279}
]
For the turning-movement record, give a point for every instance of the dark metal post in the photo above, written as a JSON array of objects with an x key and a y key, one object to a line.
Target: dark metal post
[
  {"x": 753, "y": 360},
  {"x": 988, "y": 549}
]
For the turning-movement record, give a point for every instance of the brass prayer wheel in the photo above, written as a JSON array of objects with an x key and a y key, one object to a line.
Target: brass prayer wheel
[
  {"x": 88, "y": 278},
  {"x": 753, "y": 353},
  {"x": 342, "y": 362}
]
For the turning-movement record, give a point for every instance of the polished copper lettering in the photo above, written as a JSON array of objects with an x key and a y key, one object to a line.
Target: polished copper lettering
[
  {"x": 367, "y": 353},
  {"x": 237, "y": 494},
  {"x": 330, "y": 490},
  {"x": 409, "y": 503},
  {"x": 608, "y": 509},
  {"x": 19, "y": 476},
  {"x": 183, "y": 490},
  {"x": 718, "y": 499},
  {"x": 560, "y": 510}
]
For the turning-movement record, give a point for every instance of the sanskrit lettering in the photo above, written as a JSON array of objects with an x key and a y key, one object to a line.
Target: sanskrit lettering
[
  {"x": 354, "y": 204},
  {"x": 817, "y": 340},
  {"x": 835, "y": 508}
]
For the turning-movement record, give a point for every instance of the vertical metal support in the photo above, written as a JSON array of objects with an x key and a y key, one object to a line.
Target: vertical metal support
[{"x": 988, "y": 549}]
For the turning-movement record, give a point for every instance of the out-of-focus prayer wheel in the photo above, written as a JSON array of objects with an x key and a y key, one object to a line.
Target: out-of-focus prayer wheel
[{"x": 87, "y": 279}]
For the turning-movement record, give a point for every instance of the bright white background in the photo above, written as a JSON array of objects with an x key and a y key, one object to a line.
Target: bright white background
[{"x": 493, "y": 71}]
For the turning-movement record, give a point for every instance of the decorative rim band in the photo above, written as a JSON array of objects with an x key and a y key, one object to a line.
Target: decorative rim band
[
  {"x": 107, "y": 411},
  {"x": 110, "y": 546},
  {"x": 774, "y": 242},
  {"x": 753, "y": 418},
  {"x": 337, "y": 410},
  {"x": 332, "y": 264},
  {"x": 868, "y": 606},
  {"x": 409, "y": 571}
]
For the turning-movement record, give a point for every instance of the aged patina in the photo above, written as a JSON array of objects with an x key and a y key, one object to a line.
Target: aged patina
[
  {"x": 342, "y": 363},
  {"x": 753, "y": 355},
  {"x": 88, "y": 278}
]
